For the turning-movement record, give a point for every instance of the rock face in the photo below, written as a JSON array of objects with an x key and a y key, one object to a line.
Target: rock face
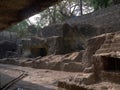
[
  {"x": 93, "y": 45},
  {"x": 68, "y": 62},
  {"x": 105, "y": 20},
  {"x": 7, "y": 46},
  {"x": 56, "y": 45},
  {"x": 72, "y": 35},
  {"x": 86, "y": 30},
  {"x": 55, "y": 39},
  {"x": 78, "y": 30},
  {"x": 20, "y": 10},
  {"x": 111, "y": 45},
  {"x": 53, "y": 30},
  {"x": 107, "y": 58},
  {"x": 69, "y": 34},
  {"x": 7, "y": 35},
  {"x": 76, "y": 38},
  {"x": 37, "y": 46}
]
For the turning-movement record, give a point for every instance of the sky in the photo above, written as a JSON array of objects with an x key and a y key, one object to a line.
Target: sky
[
  {"x": 32, "y": 19},
  {"x": 85, "y": 11}
]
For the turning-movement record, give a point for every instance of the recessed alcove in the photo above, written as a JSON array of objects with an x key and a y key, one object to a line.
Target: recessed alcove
[
  {"x": 111, "y": 64},
  {"x": 38, "y": 52}
]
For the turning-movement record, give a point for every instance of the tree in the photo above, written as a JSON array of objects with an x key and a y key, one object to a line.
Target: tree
[
  {"x": 98, "y": 4},
  {"x": 81, "y": 7},
  {"x": 62, "y": 11},
  {"x": 20, "y": 29}
]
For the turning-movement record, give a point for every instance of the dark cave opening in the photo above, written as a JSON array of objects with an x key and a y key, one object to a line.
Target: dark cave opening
[
  {"x": 35, "y": 52},
  {"x": 13, "y": 50},
  {"x": 42, "y": 52},
  {"x": 111, "y": 64}
]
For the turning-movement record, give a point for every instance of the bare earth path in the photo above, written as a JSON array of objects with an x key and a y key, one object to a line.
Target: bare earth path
[
  {"x": 37, "y": 79},
  {"x": 44, "y": 79}
]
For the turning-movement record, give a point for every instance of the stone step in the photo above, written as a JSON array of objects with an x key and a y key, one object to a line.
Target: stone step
[
  {"x": 72, "y": 86},
  {"x": 59, "y": 66},
  {"x": 105, "y": 46},
  {"x": 70, "y": 62},
  {"x": 117, "y": 40},
  {"x": 103, "y": 51},
  {"x": 108, "y": 41},
  {"x": 110, "y": 36},
  {"x": 116, "y": 44},
  {"x": 78, "y": 82},
  {"x": 108, "y": 50}
]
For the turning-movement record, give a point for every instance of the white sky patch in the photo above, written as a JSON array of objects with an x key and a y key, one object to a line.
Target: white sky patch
[
  {"x": 33, "y": 18},
  {"x": 86, "y": 9}
]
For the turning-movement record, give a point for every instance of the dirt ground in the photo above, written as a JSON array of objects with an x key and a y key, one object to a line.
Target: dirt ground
[
  {"x": 43, "y": 79},
  {"x": 37, "y": 79}
]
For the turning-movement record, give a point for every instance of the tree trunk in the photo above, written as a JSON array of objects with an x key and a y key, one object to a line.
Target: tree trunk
[{"x": 81, "y": 10}]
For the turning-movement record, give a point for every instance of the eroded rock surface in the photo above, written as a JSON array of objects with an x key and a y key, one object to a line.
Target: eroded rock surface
[
  {"x": 7, "y": 48},
  {"x": 93, "y": 45},
  {"x": 68, "y": 62}
]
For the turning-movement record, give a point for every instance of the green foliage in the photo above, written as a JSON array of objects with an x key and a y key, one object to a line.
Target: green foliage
[
  {"x": 20, "y": 29},
  {"x": 98, "y": 4},
  {"x": 61, "y": 12}
]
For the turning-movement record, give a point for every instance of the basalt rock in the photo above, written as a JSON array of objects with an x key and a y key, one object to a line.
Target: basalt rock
[
  {"x": 55, "y": 39},
  {"x": 106, "y": 59},
  {"x": 71, "y": 37},
  {"x": 6, "y": 46},
  {"x": 105, "y": 20},
  {"x": 93, "y": 45}
]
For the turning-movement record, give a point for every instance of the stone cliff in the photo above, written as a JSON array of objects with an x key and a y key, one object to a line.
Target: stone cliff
[{"x": 105, "y": 20}]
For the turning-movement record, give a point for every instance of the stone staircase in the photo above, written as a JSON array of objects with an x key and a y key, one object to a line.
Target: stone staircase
[
  {"x": 69, "y": 62},
  {"x": 111, "y": 44}
]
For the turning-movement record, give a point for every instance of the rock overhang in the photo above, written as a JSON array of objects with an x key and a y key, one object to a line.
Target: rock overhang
[{"x": 14, "y": 11}]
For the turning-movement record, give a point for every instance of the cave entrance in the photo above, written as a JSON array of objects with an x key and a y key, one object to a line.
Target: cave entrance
[
  {"x": 38, "y": 52},
  {"x": 13, "y": 50},
  {"x": 42, "y": 52},
  {"x": 111, "y": 64}
]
